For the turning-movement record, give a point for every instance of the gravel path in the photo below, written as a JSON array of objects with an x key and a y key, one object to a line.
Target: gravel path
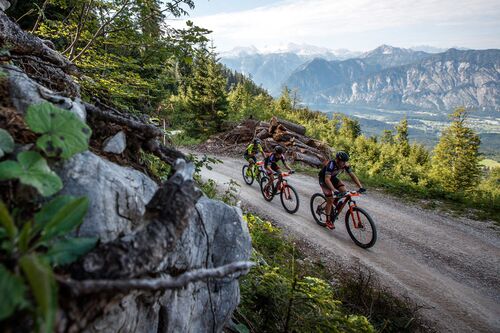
[{"x": 449, "y": 265}]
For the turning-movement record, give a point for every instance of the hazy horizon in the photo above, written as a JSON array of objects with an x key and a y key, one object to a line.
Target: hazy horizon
[
  {"x": 355, "y": 25},
  {"x": 283, "y": 47}
]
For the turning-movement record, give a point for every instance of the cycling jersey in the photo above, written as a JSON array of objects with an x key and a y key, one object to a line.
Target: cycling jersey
[
  {"x": 273, "y": 159},
  {"x": 253, "y": 149},
  {"x": 333, "y": 170}
]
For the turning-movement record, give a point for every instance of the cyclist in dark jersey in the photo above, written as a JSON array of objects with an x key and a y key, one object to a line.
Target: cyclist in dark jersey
[
  {"x": 329, "y": 181},
  {"x": 271, "y": 163}
]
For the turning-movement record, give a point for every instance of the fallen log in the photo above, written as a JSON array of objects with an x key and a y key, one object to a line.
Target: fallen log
[
  {"x": 110, "y": 115},
  {"x": 273, "y": 124},
  {"x": 300, "y": 146},
  {"x": 238, "y": 134},
  {"x": 299, "y": 129},
  {"x": 20, "y": 43},
  {"x": 320, "y": 145},
  {"x": 303, "y": 139},
  {"x": 282, "y": 136},
  {"x": 263, "y": 134},
  {"x": 269, "y": 145},
  {"x": 308, "y": 159},
  {"x": 37, "y": 59}
]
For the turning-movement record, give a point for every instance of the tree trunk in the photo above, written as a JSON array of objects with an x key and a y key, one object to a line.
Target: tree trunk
[
  {"x": 309, "y": 159},
  {"x": 23, "y": 44},
  {"x": 269, "y": 144},
  {"x": 263, "y": 134},
  {"x": 299, "y": 129}
]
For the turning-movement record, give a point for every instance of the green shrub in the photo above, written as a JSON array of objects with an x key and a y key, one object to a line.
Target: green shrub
[
  {"x": 29, "y": 254},
  {"x": 278, "y": 297}
]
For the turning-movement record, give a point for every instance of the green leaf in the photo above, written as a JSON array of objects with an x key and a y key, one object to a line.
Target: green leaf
[
  {"x": 68, "y": 250},
  {"x": 24, "y": 237},
  {"x": 43, "y": 285},
  {"x": 6, "y": 143},
  {"x": 32, "y": 169},
  {"x": 7, "y": 221},
  {"x": 9, "y": 170},
  {"x": 12, "y": 290},
  {"x": 66, "y": 219},
  {"x": 64, "y": 133},
  {"x": 49, "y": 210}
]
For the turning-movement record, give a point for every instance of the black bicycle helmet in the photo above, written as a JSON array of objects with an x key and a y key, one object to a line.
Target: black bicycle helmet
[
  {"x": 256, "y": 141},
  {"x": 343, "y": 156},
  {"x": 278, "y": 150}
]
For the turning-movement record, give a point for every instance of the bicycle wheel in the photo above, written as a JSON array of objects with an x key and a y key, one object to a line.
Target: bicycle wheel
[
  {"x": 318, "y": 208},
  {"x": 247, "y": 175},
  {"x": 289, "y": 199},
  {"x": 268, "y": 193},
  {"x": 361, "y": 227}
]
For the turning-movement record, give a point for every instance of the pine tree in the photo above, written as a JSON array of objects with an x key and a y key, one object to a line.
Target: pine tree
[
  {"x": 455, "y": 164},
  {"x": 284, "y": 102},
  {"x": 240, "y": 102},
  {"x": 401, "y": 137},
  {"x": 207, "y": 97},
  {"x": 387, "y": 137},
  {"x": 349, "y": 128}
]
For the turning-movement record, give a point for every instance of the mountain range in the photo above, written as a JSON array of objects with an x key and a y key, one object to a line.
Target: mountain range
[{"x": 386, "y": 77}]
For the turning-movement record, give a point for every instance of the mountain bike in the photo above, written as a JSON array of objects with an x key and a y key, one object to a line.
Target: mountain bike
[
  {"x": 253, "y": 171},
  {"x": 288, "y": 195},
  {"x": 358, "y": 222}
]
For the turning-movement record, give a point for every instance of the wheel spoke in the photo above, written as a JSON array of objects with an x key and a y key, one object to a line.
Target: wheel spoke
[{"x": 360, "y": 227}]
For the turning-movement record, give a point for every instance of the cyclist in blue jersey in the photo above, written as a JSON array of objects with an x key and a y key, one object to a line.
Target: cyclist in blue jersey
[
  {"x": 271, "y": 163},
  {"x": 329, "y": 181}
]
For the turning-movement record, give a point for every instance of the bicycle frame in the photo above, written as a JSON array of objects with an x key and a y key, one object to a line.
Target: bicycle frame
[
  {"x": 257, "y": 169},
  {"x": 281, "y": 183},
  {"x": 358, "y": 222},
  {"x": 347, "y": 199}
]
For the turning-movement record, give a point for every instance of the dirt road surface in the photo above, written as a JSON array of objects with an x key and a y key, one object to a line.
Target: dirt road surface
[{"x": 450, "y": 265}]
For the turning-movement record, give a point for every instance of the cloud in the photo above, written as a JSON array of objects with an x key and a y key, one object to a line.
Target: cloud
[{"x": 330, "y": 22}]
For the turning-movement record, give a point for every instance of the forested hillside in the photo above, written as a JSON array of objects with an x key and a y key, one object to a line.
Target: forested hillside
[{"x": 95, "y": 98}]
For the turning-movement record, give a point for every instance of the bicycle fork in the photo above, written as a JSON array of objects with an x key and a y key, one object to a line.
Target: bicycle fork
[{"x": 356, "y": 218}]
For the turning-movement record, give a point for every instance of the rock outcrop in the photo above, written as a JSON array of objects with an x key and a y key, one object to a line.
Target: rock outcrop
[{"x": 145, "y": 229}]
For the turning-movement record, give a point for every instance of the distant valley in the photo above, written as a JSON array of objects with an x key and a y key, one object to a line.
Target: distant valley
[{"x": 381, "y": 86}]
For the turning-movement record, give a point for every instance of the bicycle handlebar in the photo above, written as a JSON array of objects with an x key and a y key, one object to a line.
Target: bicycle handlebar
[
  {"x": 344, "y": 194},
  {"x": 284, "y": 174}
]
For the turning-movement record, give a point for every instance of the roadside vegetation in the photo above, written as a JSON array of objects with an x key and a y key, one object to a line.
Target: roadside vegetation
[{"x": 291, "y": 289}]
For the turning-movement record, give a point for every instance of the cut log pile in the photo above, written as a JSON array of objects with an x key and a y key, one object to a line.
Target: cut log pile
[{"x": 290, "y": 136}]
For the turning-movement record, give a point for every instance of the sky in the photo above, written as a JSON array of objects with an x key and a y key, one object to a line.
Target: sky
[{"x": 357, "y": 25}]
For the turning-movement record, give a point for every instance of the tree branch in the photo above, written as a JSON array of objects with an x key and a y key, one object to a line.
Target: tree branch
[
  {"x": 145, "y": 130},
  {"x": 81, "y": 23},
  {"x": 22, "y": 43},
  {"x": 100, "y": 30},
  {"x": 168, "y": 282},
  {"x": 167, "y": 216},
  {"x": 40, "y": 15}
]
